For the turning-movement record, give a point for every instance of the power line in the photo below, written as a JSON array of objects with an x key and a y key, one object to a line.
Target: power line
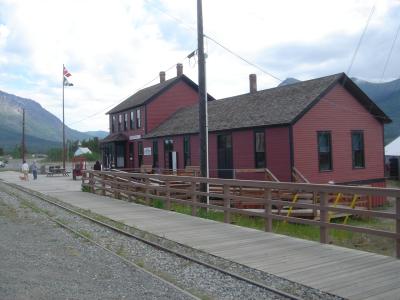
[
  {"x": 360, "y": 40},
  {"x": 242, "y": 58},
  {"x": 190, "y": 27},
  {"x": 390, "y": 52},
  {"x": 116, "y": 103}
]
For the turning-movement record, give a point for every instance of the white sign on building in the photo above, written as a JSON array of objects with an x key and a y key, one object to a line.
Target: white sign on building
[
  {"x": 134, "y": 137},
  {"x": 147, "y": 151}
]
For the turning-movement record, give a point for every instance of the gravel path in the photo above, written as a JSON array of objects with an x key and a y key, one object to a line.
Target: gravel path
[
  {"x": 40, "y": 260},
  {"x": 204, "y": 282}
]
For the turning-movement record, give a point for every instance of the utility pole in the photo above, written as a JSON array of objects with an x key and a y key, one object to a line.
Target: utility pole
[
  {"x": 203, "y": 116},
  {"x": 63, "y": 127},
  {"x": 23, "y": 136}
]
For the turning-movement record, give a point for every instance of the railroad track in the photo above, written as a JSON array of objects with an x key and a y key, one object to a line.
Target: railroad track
[{"x": 274, "y": 293}]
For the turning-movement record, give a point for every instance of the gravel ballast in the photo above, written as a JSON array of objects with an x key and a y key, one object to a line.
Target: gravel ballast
[
  {"x": 40, "y": 260},
  {"x": 199, "y": 280}
]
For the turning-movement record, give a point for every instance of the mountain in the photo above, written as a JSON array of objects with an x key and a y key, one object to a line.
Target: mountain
[
  {"x": 289, "y": 80},
  {"x": 386, "y": 95},
  {"x": 43, "y": 130},
  {"x": 99, "y": 134}
]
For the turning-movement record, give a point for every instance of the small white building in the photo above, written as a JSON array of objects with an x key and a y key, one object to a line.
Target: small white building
[
  {"x": 82, "y": 150},
  {"x": 392, "y": 155}
]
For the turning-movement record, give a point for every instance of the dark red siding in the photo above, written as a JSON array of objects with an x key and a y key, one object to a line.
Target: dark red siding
[
  {"x": 278, "y": 152},
  {"x": 340, "y": 113},
  {"x": 161, "y": 108}
]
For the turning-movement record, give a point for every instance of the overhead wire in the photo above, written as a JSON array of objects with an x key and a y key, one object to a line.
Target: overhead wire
[
  {"x": 117, "y": 102},
  {"x": 242, "y": 58},
  {"x": 390, "y": 52},
  {"x": 361, "y": 39},
  {"x": 192, "y": 28}
]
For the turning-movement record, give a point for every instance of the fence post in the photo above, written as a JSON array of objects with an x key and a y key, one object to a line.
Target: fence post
[
  {"x": 115, "y": 186},
  {"x": 91, "y": 182},
  {"x": 227, "y": 204},
  {"x": 83, "y": 177},
  {"x": 398, "y": 227},
  {"x": 268, "y": 210},
  {"x": 194, "y": 197},
  {"x": 168, "y": 203},
  {"x": 146, "y": 190},
  {"x": 323, "y": 229},
  {"x": 103, "y": 185}
]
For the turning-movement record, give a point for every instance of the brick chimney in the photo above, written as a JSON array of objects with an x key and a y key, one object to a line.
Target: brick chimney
[
  {"x": 253, "y": 83},
  {"x": 179, "y": 70},
  {"x": 162, "y": 76}
]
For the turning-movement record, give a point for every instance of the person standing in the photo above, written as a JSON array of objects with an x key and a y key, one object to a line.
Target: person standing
[
  {"x": 25, "y": 170},
  {"x": 34, "y": 170},
  {"x": 97, "y": 166}
]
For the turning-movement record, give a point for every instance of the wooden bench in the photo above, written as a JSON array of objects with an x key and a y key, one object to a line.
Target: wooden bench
[
  {"x": 57, "y": 170},
  {"x": 146, "y": 169}
]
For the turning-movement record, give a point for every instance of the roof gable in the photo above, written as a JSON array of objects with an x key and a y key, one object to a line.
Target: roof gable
[{"x": 148, "y": 94}]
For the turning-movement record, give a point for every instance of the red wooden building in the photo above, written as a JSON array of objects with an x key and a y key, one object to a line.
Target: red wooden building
[{"x": 326, "y": 128}]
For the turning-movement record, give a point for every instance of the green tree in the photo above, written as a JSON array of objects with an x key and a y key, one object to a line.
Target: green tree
[
  {"x": 55, "y": 154},
  {"x": 1, "y": 152},
  {"x": 16, "y": 152}
]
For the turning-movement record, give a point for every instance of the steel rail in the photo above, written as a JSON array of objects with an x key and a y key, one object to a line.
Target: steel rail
[
  {"x": 158, "y": 246},
  {"x": 128, "y": 262}
]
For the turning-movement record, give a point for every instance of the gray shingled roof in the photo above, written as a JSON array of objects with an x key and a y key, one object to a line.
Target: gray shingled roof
[
  {"x": 275, "y": 106},
  {"x": 143, "y": 95}
]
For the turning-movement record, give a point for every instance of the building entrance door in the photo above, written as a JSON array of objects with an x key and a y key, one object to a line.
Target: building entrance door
[
  {"x": 120, "y": 154},
  {"x": 225, "y": 156}
]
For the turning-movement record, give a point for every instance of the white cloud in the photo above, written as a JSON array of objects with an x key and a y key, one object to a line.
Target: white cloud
[{"x": 112, "y": 48}]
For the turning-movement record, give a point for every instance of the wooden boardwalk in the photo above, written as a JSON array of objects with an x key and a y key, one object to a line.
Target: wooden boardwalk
[{"x": 345, "y": 272}]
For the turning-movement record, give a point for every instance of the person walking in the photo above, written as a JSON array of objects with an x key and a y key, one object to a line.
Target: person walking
[
  {"x": 34, "y": 170},
  {"x": 25, "y": 170}
]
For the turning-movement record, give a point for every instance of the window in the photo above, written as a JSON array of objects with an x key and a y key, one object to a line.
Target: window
[
  {"x": 132, "y": 120},
  {"x": 138, "y": 119},
  {"x": 186, "y": 151},
  {"x": 113, "y": 124},
  {"x": 324, "y": 151},
  {"x": 357, "y": 147},
  {"x": 259, "y": 147},
  {"x": 140, "y": 154},
  {"x": 119, "y": 122},
  {"x": 126, "y": 121},
  {"x": 155, "y": 154}
]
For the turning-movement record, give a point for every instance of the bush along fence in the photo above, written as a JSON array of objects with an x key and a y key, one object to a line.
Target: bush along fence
[{"x": 288, "y": 202}]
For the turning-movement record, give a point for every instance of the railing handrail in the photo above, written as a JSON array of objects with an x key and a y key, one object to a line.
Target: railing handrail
[
  {"x": 290, "y": 186},
  {"x": 139, "y": 184}
]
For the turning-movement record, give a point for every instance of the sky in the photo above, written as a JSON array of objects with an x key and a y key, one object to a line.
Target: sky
[{"x": 113, "y": 48}]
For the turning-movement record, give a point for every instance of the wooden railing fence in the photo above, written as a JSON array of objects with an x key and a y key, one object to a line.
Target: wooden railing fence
[{"x": 185, "y": 190}]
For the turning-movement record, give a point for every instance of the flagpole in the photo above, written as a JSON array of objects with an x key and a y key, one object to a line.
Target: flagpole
[{"x": 63, "y": 152}]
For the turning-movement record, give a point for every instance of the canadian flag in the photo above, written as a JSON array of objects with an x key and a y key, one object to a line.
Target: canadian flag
[{"x": 66, "y": 73}]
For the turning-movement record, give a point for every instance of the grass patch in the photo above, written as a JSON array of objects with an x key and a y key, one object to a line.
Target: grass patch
[
  {"x": 157, "y": 203},
  {"x": 8, "y": 211},
  {"x": 33, "y": 207},
  {"x": 140, "y": 263},
  {"x": 121, "y": 251},
  {"x": 393, "y": 184},
  {"x": 86, "y": 234},
  {"x": 85, "y": 189}
]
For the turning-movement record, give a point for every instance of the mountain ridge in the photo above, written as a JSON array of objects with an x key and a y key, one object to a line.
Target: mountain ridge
[{"x": 43, "y": 130}]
